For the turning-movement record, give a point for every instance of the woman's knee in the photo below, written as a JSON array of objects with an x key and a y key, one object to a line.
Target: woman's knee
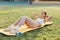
[{"x": 24, "y": 17}]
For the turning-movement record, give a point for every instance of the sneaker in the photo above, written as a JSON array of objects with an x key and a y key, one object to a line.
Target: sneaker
[
  {"x": 13, "y": 31},
  {"x": 9, "y": 28}
]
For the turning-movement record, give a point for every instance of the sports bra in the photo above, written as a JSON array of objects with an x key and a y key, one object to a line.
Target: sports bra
[{"x": 40, "y": 20}]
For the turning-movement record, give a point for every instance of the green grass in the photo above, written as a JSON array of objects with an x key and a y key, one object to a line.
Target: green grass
[{"x": 9, "y": 14}]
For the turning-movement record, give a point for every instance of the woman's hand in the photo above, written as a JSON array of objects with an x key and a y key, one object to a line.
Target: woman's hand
[
  {"x": 48, "y": 18},
  {"x": 35, "y": 16}
]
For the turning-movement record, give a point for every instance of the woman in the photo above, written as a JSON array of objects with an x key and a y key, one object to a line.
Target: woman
[{"x": 30, "y": 23}]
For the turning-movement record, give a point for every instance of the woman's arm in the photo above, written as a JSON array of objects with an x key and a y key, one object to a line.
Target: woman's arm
[
  {"x": 35, "y": 16},
  {"x": 48, "y": 18}
]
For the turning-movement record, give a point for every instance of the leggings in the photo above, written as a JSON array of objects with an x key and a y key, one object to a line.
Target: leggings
[{"x": 28, "y": 21}]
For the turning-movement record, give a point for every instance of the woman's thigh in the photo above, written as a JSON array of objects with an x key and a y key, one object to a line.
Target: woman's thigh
[{"x": 31, "y": 22}]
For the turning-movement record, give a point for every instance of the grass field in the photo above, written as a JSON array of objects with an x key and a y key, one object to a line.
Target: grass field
[{"x": 9, "y": 14}]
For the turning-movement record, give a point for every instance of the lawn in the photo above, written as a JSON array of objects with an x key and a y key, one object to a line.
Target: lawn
[{"x": 9, "y": 14}]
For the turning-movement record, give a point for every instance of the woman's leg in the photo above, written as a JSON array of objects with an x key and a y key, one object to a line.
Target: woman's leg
[
  {"x": 25, "y": 20},
  {"x": 28, "y": 21},
  {"x": 13, "y": 25},
  {"x": 17, "y": 22}
]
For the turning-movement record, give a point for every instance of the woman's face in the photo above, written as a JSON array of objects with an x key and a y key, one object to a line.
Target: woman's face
[{"x": 43, "y": 14}]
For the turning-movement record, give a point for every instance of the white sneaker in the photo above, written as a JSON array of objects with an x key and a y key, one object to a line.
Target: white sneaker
[
  {"x": 14, "y": 30},
  {"x": 9, "y": 28}
]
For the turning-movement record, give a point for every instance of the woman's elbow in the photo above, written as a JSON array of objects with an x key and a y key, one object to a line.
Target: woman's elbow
[{"x": 50, "y": 17}]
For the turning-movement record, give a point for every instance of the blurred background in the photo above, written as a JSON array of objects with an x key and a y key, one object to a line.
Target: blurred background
[{"x": 29, "y": 1}]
